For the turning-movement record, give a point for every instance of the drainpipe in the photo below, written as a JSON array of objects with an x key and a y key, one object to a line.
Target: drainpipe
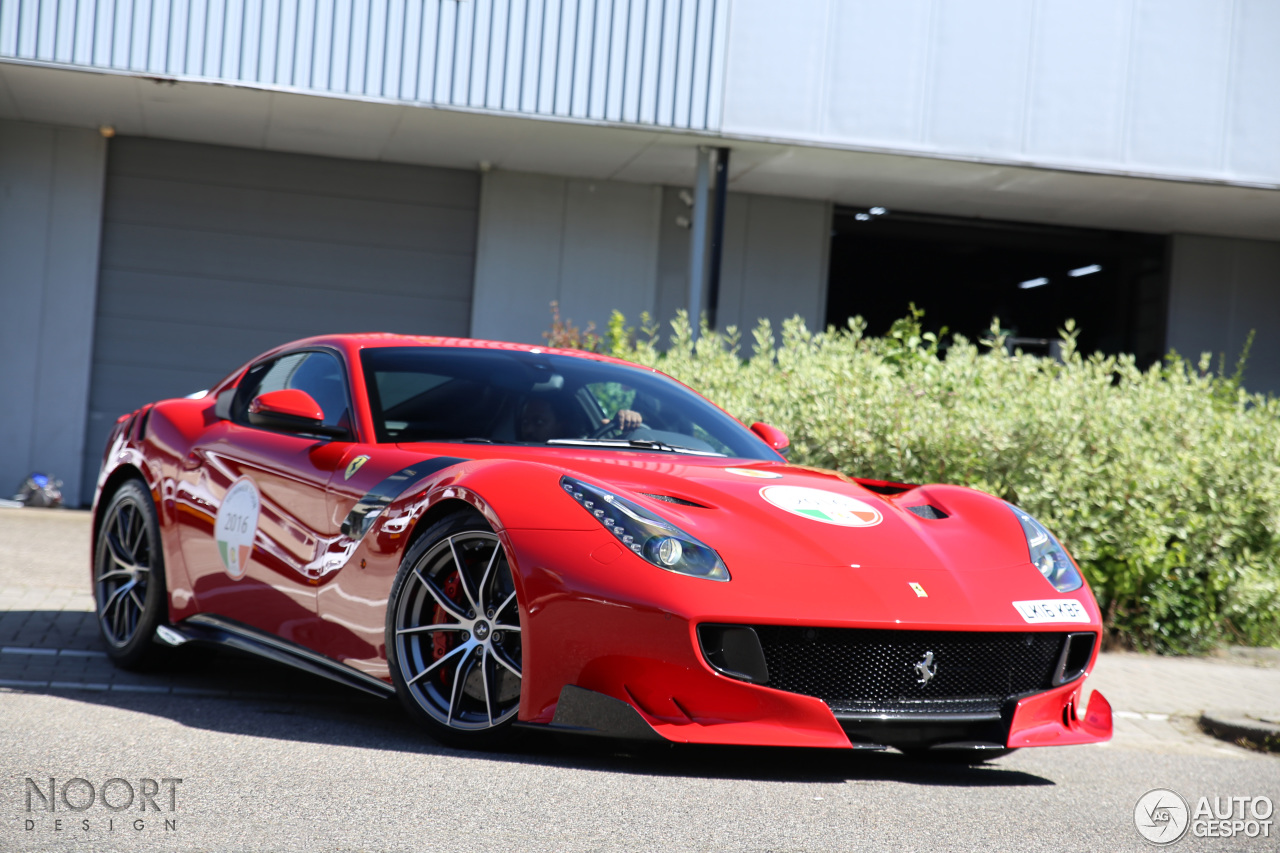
[
  {"x": 717, "y": 235},
  {"x": 698, "y": 238}
]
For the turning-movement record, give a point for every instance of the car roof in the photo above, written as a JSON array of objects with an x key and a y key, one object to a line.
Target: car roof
[{"x": 376, "y": 340}]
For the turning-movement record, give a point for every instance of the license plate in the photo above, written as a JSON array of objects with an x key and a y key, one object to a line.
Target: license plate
[{"x": 1052, "y": 610}]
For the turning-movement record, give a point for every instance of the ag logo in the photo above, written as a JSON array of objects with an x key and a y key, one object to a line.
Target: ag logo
[
  {"x": 355, "y": 465},
  {"x": 236, "y": 525},
  {"x": 821, "y": 505},
  {"x": 1161, "y": 816}
]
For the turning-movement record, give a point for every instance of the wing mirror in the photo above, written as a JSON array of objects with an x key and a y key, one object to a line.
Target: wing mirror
[
  {"x": 772, "y": 436},
  {"x": 291, "y": 410}
]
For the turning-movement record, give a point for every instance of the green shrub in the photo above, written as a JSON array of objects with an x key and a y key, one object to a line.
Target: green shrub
[{"x": 1163, "y": 483}]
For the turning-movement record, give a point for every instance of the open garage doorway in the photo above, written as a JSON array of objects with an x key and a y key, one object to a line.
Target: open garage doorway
[{"x": 963, "y": 272}]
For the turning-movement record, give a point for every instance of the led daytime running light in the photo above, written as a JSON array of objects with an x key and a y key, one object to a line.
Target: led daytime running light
[{"x": 652, "y": 538}]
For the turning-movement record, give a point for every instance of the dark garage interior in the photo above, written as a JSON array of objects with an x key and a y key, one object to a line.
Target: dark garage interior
[{"x": 964, "y": 272}]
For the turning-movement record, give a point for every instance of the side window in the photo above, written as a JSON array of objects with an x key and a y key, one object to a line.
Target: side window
[{"x": 318, "y": 373}]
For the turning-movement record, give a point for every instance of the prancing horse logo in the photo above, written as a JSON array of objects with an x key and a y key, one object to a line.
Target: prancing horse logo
[{"x": 926, "y": 669}]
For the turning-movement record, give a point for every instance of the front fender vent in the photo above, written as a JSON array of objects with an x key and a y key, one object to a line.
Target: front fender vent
[{"x": 672, "y": 499}]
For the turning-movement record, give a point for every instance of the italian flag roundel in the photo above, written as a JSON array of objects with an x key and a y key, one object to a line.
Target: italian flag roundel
[{"x": 821, "y": 505}]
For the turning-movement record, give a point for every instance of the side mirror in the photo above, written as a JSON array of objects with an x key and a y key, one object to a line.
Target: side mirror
[
  {"x": 772, "y": 436},
  {"x": 291, "y": 410}
]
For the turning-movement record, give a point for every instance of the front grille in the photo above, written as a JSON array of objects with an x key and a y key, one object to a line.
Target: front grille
[{"x": 860, "y": 671}]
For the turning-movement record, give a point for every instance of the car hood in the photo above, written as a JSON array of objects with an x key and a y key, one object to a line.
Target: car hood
[
  {"x": 890, "y": 566},
  {"x": 794, "y": 514}
]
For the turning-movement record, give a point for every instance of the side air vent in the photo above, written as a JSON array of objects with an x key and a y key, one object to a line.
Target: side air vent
[
  {"x": 671, "y": 499},
  {"x": 1076, "y": 652},
  {"x": 927, "y": 511},
  {"x": 735, "y": 651}
]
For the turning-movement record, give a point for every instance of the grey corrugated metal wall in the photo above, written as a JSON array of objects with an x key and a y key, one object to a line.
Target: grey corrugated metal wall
[
  {"x": 656, "y": 62},
  {"x": 212, "y": 255}
]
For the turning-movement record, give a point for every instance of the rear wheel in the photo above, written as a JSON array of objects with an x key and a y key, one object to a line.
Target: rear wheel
[
  {"x": 128, "y": 577},
  {"x": 453, "y": 634}
]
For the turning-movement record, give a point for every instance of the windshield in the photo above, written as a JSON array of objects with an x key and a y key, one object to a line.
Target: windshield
[{"x": 513, "y": 397}]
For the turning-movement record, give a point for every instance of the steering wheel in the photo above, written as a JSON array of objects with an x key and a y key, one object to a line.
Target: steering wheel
[{"x": 611, "y": 429}]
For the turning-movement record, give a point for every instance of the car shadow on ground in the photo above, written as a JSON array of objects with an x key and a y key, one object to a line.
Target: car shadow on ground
[{"x": 222, "y": 690}]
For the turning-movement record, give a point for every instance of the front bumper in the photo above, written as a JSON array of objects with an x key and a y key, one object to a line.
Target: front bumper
[{"x": 630, "y": 637}]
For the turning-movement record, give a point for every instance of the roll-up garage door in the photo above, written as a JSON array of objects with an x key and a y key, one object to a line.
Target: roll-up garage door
[{"x": 211, "y": 255}]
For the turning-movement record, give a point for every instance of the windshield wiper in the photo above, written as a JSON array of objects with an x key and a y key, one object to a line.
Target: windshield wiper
[{"x": 632, "y": 444}]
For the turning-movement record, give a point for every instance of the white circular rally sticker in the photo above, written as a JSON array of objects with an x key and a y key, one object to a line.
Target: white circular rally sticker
[
  {"x": 827, "y": 507},
  {"x": 754, "y": 472},
  {"x": 236, "y": 525}
]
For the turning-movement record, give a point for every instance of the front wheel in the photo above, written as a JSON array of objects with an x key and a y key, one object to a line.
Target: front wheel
[
  {"x": 453, "y": 634},
  {"x": 128, "y": 577}
]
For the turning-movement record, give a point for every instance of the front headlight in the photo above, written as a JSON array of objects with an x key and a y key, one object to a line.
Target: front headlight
[
  {"x": 655, "y": 539},
  {"x": 1048, "y": 555}
]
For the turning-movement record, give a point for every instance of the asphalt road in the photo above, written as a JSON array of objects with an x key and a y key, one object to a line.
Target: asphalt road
[{"x": 270, "y": 760}]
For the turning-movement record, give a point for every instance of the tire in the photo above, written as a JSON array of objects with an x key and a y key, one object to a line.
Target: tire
[
  {"x": 453, "y": 635},
  {"x": 129, "y": 593}
]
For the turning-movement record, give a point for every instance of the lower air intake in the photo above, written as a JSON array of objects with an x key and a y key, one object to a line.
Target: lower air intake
[{"x": 861, "y": 672}]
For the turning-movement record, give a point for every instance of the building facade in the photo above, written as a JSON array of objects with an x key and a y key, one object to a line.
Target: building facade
[{"x": 185, "y": 183}]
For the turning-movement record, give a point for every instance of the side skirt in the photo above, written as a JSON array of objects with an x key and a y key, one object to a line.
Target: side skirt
[{"x": 220, "y": 631}]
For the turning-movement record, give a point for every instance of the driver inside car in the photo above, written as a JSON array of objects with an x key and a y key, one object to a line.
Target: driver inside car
[
  {"x": 541, "y": 420},
  {"x": 544, "y": 417}
]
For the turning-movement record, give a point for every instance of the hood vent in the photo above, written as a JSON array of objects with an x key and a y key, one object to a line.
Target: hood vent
[
  {"x": 883, "y": 487},
  {"x": 928, "y": 511},
  {"x": 671, "y": 499}
]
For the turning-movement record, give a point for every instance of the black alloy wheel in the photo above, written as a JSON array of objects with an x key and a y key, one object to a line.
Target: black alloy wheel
[
  {"x": 453, "y": 634},
  {"x": 128, "y": 577}
]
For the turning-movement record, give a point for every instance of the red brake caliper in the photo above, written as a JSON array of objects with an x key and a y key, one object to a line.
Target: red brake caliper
[{"x": 442, "y": 642}]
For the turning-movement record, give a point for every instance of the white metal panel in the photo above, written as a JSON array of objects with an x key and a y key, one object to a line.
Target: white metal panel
[
  {"x": 211, "y": 255},
  {"x": 1219, "y": 290},
  {"x": 518, "y": 255},
  {"x": 1185, "y": 89},
  {"x": 775, "y": 262},
  {"x": 1181, "y": 70},
  {"x": 878, "y": 69},
  {"x": 51, "y": 185},
  {"x": 636, "y": 61},
  {"x": 978, "y": 75},
  {"x": 610, "y": 256},
  {"x": 1080, "y": 51},
  {"x": 591, "y": 246},
  {"x": 775, "y": 67},
  {"x": 1253, "y": 135}
]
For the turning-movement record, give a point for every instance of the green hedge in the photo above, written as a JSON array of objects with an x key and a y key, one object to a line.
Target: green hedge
[{"x": 1163, "y": 483}]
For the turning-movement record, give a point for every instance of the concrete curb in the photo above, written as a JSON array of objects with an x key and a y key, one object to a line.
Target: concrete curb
[{"x": 1243, "y": 729}]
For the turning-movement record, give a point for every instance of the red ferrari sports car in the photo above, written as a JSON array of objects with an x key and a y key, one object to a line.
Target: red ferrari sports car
[{"x": 509, "y": 536}]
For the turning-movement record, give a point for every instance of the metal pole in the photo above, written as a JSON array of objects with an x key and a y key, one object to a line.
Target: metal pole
[
  {"x": 717, "y": 235},
  {"x": 698, "y": 238}
]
